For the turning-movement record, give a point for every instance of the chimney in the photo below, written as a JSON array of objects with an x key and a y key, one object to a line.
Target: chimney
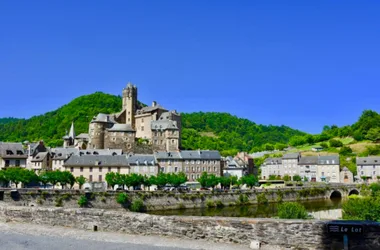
[{"x": 154, "y": 104}]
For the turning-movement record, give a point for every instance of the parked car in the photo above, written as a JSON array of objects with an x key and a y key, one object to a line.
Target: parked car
[
  {"x": 183, "y": 187},
  {"x": 168, "y": 188}
]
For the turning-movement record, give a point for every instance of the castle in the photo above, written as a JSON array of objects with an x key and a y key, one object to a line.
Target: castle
[{"x": 134, "y": 126}]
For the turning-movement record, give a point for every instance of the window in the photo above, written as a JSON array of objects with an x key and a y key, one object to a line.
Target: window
[
  {"x": 214, "y": 169},
  {"x": 81, "y": 169},
  {"x": 71, "y": 169},
  {"x": 142, "y": 119},
  {"x": 109, "y": 169},
  {"x": 90, "y": 177},
  {"x": 186, "y": 162},
  {"x": 118, "y": 169},
  {"x": 142, "y": 128},
  {"x": 323, "y": 173},
  {"x": 362, "y": 172},
  {"x": 100, "y": 169},
  {"x": 176, "y": 169},
  {"x": 7, "y": 163},
  {"x": 374, "y": 172},
  {"x": 90, "y": 169},
  {"x": 100, "y": 177},
  {"x": 17, "y": 163}
]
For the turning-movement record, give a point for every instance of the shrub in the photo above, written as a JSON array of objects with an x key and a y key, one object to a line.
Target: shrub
[
  {"x": 137, "y": 205},
  {"x": 83, "y": 201},
  {"x": 219, "y": 203},
  {"x": 335, "y": 143},
  {"x": 122, "y": 198},
  {"x": 210, "y": 203},
  {"x": 261, "y": 198},
  {"x": 243, "y": 198},
  {"x": 361, "y": 208},
  {"x": 291, "y": 210}
]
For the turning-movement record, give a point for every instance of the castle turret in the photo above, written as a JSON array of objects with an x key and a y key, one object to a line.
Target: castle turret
[{"x": 130, "y": 104}]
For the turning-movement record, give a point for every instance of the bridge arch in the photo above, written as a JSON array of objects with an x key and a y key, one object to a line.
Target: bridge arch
[
  {"x": 335, "y": 194},
  {"x": 353, "y": 191}
]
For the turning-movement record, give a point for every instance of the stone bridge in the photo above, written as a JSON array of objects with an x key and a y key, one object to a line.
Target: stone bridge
[{"x": 342, "y": 190}]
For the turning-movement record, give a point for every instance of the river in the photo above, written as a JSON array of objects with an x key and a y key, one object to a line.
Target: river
[{"x": 318, "y": 209}]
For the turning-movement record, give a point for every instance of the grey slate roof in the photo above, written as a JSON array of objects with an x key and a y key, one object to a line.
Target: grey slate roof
[
  {"x": 201, "y": 155},
  {"x": 136, "y": 160},
  {"x": 103, "y": 118},
  {"x": 164, "y": 125},
  {"x": 328, "y": 160},
  {"x": 274, "y": 160},
  {"x": 12, "y": 150},
  {"x": 40, "y": 157},
  {"x": 308, "y": 160},
  {"x": 291, "y": 156},
  {"x": 167, "y": 155},
  {"x": 97, "y": 160},
  {"x": 121, "y": 128},
  {"x": 64, "y": 153},
  {"x": 83, "y": 136},
  {"x": 150, "y": 108},
  {"x": 370, "y": 160}
]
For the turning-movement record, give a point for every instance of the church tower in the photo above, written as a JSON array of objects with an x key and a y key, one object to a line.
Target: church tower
[{"x": 130, "y": 103}]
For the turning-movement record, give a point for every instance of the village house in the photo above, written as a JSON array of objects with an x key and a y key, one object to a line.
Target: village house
[
  {"x": 12, "y": 155},
  {"x": 368, "y": 168}
]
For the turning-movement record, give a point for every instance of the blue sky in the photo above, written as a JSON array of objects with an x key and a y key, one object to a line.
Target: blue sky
[{"x": 303, "y": 64}]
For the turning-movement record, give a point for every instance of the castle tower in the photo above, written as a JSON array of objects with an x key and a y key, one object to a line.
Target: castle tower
[
  {"x": 130, "y": 104},
  {"x": 69, "y": 139}
]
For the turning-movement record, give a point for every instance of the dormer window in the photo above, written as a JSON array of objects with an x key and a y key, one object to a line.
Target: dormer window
[
  {"x": 9, "y": 152},
  {"x": 19, "y": 152}
]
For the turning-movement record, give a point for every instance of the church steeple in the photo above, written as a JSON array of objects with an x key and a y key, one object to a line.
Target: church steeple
[{"x": 72, "y": 131}]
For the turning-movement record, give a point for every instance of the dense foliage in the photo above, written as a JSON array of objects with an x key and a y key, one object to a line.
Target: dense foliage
[
  {"x": 291, "y": 210},
  {"x": 52, "y": 126},
  {"x": 136, "y": 180},
  {"x": 7, "y": 120},
  {"x": 230, "y": 134},
  {"x": 363, "y": 207}
]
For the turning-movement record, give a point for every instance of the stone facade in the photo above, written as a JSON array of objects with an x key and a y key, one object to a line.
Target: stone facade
[
  {"x": 12, "y": 155},
  {"x": 368, "y": 168},
  {"x": 314, "y": 168},
  {"x": 152, "y": 125}
]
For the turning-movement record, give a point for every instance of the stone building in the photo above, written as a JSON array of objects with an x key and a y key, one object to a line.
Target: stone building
[
  {"x": 346, "y": 176},
  {"x": 154, "y": 125},
  {"x": 368, "y": 168},
  {"x": 328, "y": 168},
  {"x": 272, "y": 166},
  {"x": 12, "y": 155},
  {"x": 314, "y": 168},
  {"x": 192, "y": 162},
  {"x": 290, "y": 163},
  {"x": 308, "y": 167}
]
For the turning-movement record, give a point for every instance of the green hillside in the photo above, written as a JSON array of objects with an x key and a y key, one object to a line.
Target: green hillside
[
  {"x": 8, "y": 120},
  {"x": 219, "y": 131}
]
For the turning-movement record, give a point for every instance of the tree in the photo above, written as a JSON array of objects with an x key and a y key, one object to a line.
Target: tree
[
  {"x": 345, "y": 150},
  {"x": 268, "y": 147},
  {"x": 203, "y": 180},
  {"x": 225, "y": 182},
  {"x": 335, "y": 143},
  {"x": 272, "y": 177},
  {"x": 297, "y": 178},
  {"x": 82, "y": 180},
  {"x": 324, "y": 145},
  {"x": 249, "y": 180},
  {"x": 297, "y": 141},
  {"x": 373, "y": 134},
  {"x": 177, "y": 179},
  {"x": 111, "y": 179},
  {"x": 305, "y": 179},
  {"x": 161, "y": 180},
  {"x": 286, "y": 178},
  {"x": 280, "y": 146},
  {"x": 65, "y": 178}
]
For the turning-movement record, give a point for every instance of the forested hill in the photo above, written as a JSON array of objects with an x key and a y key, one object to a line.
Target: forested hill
[
  {"x": 52, "y": 126},
  {"x": 219, "y": 131},
  {"x": 229, "y": 134},
  {"x": 8, "y": 120}
]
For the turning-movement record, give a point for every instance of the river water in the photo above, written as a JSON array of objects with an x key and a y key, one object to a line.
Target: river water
[{"x": 319, "y": 209}]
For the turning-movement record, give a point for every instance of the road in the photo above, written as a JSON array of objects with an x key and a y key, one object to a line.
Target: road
[{"x": 18, "y": 236}]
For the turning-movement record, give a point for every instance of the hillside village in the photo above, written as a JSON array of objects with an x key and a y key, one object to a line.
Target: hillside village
[{"x": 146, "y": 140}]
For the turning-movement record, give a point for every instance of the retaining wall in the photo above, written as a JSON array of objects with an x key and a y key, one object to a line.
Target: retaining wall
[{"x": 300, "y": 234}]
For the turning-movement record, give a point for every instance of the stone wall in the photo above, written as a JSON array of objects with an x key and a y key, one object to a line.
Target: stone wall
[
  {"x": 157, "y": 200},
  {"x": 299, "y": 234}
]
